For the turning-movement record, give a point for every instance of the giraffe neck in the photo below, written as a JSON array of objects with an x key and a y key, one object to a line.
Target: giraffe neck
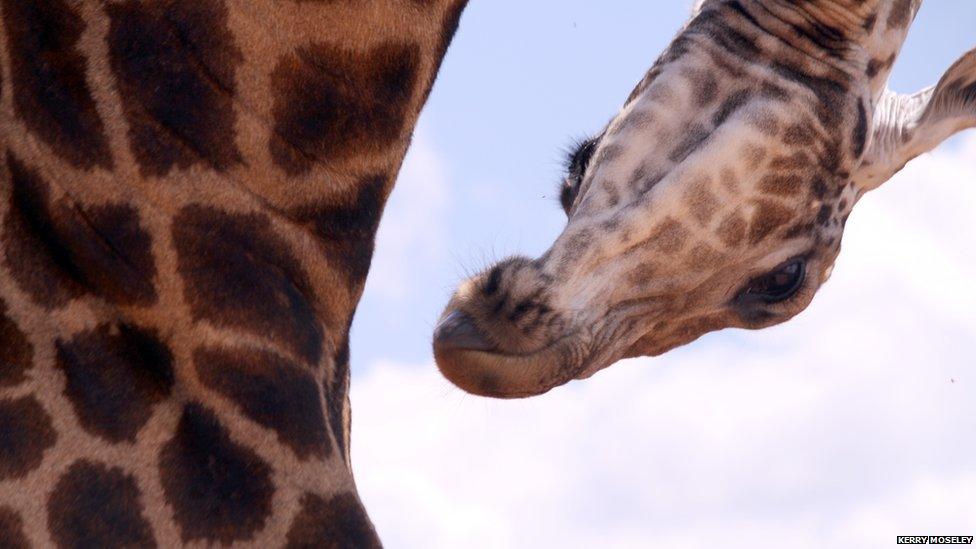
[
  {"x": 189, "y": 193},
  {"x": 831, "y": 16},
  {"x": 856, "y": 36}
]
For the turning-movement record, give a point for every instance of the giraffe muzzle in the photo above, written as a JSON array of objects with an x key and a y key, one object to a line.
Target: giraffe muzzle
[{"x": 467, "y": 359}]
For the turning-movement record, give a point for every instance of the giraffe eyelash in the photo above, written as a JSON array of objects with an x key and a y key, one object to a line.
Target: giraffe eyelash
[
  {"x": 578, "y": 157},
  {"x": 577, "y": 161}
]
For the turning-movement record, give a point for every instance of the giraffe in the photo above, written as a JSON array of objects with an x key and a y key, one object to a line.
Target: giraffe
[
  {"x": 189, "y": 193},
  {"x": 717, "y": 196}
]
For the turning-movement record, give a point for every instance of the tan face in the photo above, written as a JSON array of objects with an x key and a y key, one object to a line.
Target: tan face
[
  {"x": 684, "y": 218},
  {"x": 716, "y": 198}
]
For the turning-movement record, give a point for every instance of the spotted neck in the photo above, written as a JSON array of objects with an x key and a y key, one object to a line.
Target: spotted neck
[
  {"x": 189, "y": 193},
  {"x": 855, "y": 36}
]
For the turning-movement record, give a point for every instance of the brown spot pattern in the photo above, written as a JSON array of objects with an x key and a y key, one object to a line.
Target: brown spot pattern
[
  {"x": 115, "y": 375},
  {"x": 59, "y": 251},
  {"x": 732, "y": 231},
  {"x": 782, "y": 185},
  {"x": 338, "y": 522},
  {"x": 273, "y": 392},
  {"x": 732, "y": 103},
  {"x": 860, "y": 136},
  {"x": 875, "y": 66},
  {"x": 32, "y": 252},
  {"x": 704, "y": 256},
  {"x": 824, "y": 215},
  {"x": 768, "y": 217},
  {"x": 12, "y": 530},
  {"x": 693, "y": 138},
  {"x": 766, "y": 122},
  {"x": 219, "y": 490},
  {"x": 641, "y": 274},
  {"x": 869, "y": 22},
  {"x": 175, "y": 63},
  {"x": 26, "y": 432},
  {"x": 50, "y": 93},
  {"x": 669, "y": 237},
  {"x": 702, "y": 202},
  {"x": 799, "y": 135},
  {"x": 96, "y": 506},
  {"x": 793, "y": 162},
  {"x": 725, "y": 31},
  {"x": 730, "y": 180},
  {"x": 238, "y": 273},
  {"x": 347, "y": 232},
  {"x": 706, "y": 88},
  {"x": 828, "y": 90},
  {"x": 332, "y": 103},
  {"x": 16, "y": 353},
  {"x": 754, "y": 156}
]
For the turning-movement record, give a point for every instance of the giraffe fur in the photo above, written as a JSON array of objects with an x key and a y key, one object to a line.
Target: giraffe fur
[{"x": 189, "y": 195}]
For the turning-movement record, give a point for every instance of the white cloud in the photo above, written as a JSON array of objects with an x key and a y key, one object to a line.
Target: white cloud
[
  {"x": 413, "y": 230},
  {"x": 844, "y": 428}
]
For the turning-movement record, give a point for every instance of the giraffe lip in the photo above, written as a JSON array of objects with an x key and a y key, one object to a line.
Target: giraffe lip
[
  {"x": 496, "y": 375},
  {"x": 458, "y": 331},
  {"x": 467, "y": 360}
]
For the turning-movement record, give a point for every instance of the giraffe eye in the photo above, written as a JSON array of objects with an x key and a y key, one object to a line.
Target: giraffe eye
[{"x": 780, "y": 284}]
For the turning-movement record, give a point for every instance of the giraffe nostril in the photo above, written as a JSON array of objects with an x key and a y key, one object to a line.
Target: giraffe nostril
[{"x": 458, "y": 331}]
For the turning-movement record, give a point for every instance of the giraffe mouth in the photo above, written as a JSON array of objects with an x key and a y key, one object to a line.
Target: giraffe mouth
[{"x": 467, "y": 358}]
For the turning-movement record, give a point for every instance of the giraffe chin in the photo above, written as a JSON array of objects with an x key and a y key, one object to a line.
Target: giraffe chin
[{"x": 494, "y": 374}]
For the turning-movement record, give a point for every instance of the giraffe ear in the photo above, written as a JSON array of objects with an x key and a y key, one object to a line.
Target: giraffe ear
[{"x": 906, "y": 126}]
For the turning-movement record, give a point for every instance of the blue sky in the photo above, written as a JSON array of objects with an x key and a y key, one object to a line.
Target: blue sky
[{"x": 847, "y": 426}]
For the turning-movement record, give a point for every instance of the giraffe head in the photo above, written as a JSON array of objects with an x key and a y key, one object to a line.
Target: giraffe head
[{"x": 717, "y": 197}]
